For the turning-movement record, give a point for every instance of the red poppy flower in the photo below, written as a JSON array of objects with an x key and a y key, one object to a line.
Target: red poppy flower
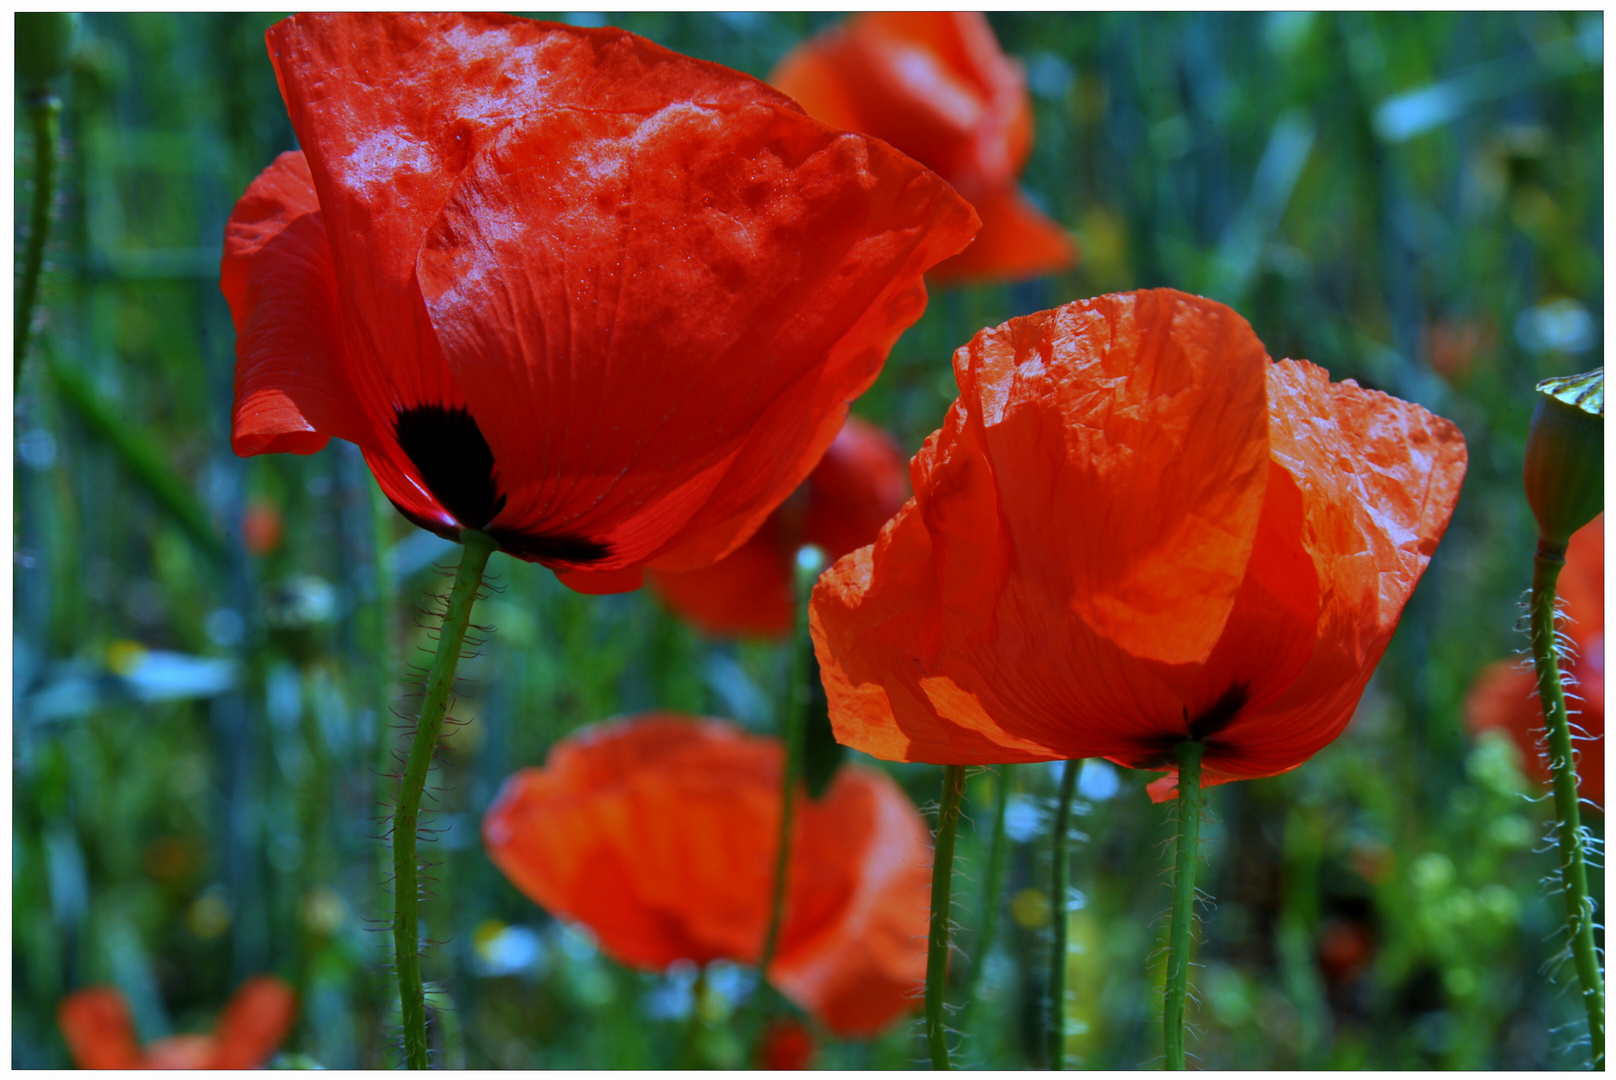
[
  {"x": 1133, "y": 530},
  {"x": 659, "y": 832},
  {"x": 101, "y": 1035},
  {"x": 262, "y": 527},
  {"x": 936, "y": 85},
  {"x": 787, "y": 1045},
  {"x": 601, "y": 301},
  {"x": 857, "y": 486},
  {"x": 1505, "y": 693},
  {"x": 1345, "y": 949}
]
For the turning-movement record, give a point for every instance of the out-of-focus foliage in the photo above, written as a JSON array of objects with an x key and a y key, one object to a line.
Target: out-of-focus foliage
[{"x": 205, "y": 647}]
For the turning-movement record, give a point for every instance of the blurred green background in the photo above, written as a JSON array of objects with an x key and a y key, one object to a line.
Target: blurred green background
[{"x": 205, "y": 647}]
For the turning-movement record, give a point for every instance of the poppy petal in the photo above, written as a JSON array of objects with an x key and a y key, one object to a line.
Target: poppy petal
[
  {"x": 1582, "y": 582},
  {"x": 278, "y": 196},
  {"x": 1379, "y": 478},
  {"x": 803, "y": 265},
  {"x": 601, "y": 584},
  {"x": 99, "y": 1031},
  {"x": 786, "y": 1045},
  {"x": 292, "y": 393},
  {"x": 620, "y": 827},
  {"x": 185, "y": 1052},
  {"x": 659, "y": 833},
  {"x": 389, "y": 110},
  {"x": 967, "y": 45},
  {"x": 855, "y": 489},
  {"x": 1132, "y": 427},
  {"x": 258, "y": 1018},
  {"x": 861, "y": 970},
  {"x": 1504, "y": 698},
  {"x": 933, "y": 84},
  {"x": 937, "y": 86},
  {"x": 1270, "y": 633},
  {"x": 747, "y": 592},
  {"x": 1017, "y": 241},
  {"x": 809, "y": 75}
]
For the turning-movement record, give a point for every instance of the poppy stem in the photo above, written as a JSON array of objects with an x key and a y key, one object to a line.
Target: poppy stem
[
  {"x": 1546, "y": 568},
  {"x": 1178, "y": 940},
  {"x": 1060, "y": 886},
  {"x": 689, "y": 1056},
  {"x": 810, "y": 561},
  {"x": 942, "y": 881},
  {"x": 375, "y": 625},
  {"x": 475, "y": 550},
  {"x": 991, "y": 900},
  {"x": 44, "y": 111}
]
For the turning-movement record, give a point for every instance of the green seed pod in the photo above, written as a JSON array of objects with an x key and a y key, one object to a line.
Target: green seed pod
[
  {"x": 45, "y": 42},
  {"x": 1565, "y": 454}
]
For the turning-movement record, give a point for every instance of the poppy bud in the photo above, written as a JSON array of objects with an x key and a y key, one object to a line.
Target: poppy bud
[
  {"x": 1565, "y": 454},
  {"x": 44, "y": 46}
]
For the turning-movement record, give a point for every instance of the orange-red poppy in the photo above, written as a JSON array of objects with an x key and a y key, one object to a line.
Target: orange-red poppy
[
  {"x": 857, "y": 486},
  {"x": 1504, "y": 695},
  {"x": 936, "y": 85},
  {"x": 601, "y": 301},
  {"x": 659, "y": 834},
  {"x": 1133, "y": 530},
  {"x": 100, "y": 1033}
]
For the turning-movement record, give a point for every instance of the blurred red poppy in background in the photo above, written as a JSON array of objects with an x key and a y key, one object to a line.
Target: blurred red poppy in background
[
  {"x": 658, "y": 833},
  {"x": 1135, "y": 530},
  {"x": 601, "y": 301},
  {"x": 101, "y": 1035},
  {"x": 854, "y": 490},
  {"x": 262, "y": 526},
  {"x": 1504, "y": 695},
  {"x": 936, "y": 85},
  {"x": 1345, "y": 949},
  {"x": 1452, "y": 345},
  {"x": 786, "y": 1045}
]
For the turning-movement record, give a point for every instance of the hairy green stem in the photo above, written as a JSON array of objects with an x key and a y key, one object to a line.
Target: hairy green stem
[
  {"x": 942, "y": 882},
  {"x": 810, "y": 561},
  {"x": 1178, "y": 940},
  {"x": 376, "y": 629},
  {"x": 44, "y": 112},
  {"x": 991, "y": 901},
  {"x": 1573, "y": 861},
  {"x": 406, "y": 815},
  {"x": 1059, "y": 886}
]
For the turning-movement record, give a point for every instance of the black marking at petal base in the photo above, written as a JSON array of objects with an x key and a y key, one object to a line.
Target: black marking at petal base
[
  {"x": 454, "y": 460},
  {"x": 1223, "y": 710},
  {"x": 542, "y": 548},
  {"x": 456, "y": 464}
]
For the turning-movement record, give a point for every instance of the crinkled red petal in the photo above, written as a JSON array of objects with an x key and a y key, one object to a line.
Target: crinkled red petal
[
  {"x": 1133, "y": 429},
  {"x": 599, "y": 351}
]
